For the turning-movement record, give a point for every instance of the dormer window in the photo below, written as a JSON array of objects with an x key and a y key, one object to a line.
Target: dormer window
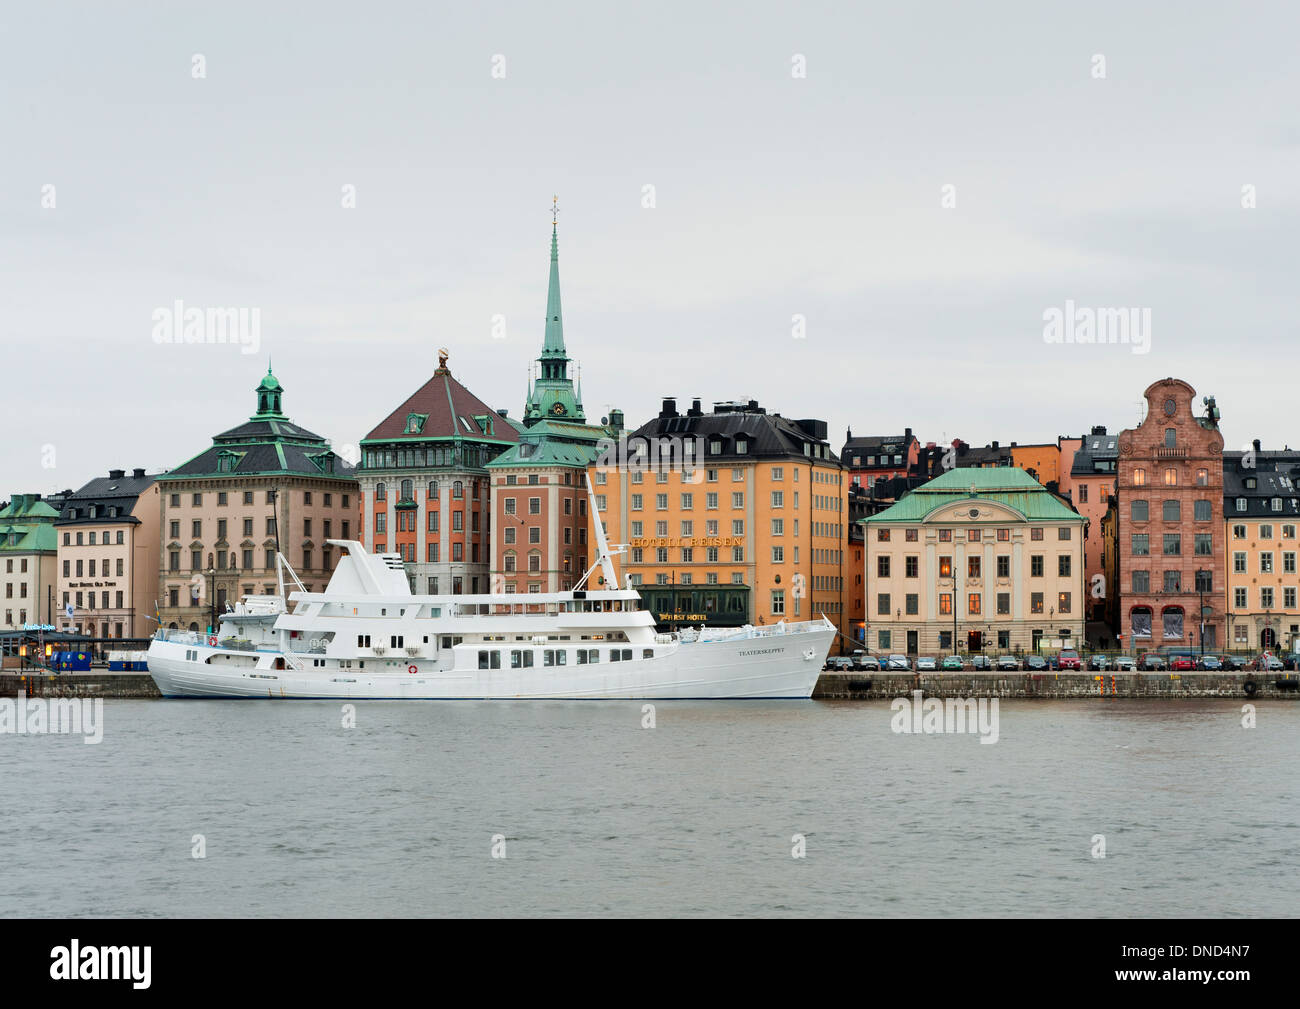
[
  {"x": 415, "y": 422},
  {"x": 715, "y": 447}
]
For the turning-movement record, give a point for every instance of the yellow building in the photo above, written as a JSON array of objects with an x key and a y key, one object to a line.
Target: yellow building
[
  {"x": 732, "y": 517},
  {"x": 1261, "y": 513}
]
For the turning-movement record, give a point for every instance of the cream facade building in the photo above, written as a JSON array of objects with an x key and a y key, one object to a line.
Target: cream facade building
[{"x": 986, "y": 557}]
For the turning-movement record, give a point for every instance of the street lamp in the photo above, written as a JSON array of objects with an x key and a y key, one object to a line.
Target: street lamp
[
  {"x": 954, "y": 611},
  {"x": 1200, "y": 592},
  {"x": 212, "y": 598}
]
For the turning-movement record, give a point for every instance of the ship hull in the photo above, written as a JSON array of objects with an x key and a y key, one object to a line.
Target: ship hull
[{"x": 775, "y": 666}]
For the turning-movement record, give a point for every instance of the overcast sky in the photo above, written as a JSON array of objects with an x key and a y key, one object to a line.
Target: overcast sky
[{"x": 775, "y": 196}]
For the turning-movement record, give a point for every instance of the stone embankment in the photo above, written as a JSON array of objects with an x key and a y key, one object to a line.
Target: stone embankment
[{"x": 1059, "y": 686}]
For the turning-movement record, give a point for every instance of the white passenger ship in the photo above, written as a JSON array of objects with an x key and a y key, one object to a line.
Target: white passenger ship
[{"x": 368, "y": 636}]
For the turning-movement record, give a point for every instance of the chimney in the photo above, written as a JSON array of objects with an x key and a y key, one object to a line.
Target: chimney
[
  {"x": 116, "y": 474},
  {"x": 1256, "y": 444},
  {"x": 616, "y": 419},
  {"x": 503, "y": 412},
  {"x": 1099, "y": 429},
  {"x": 907, "y": 437},
  {"x": 995, "y": 446},
  {"x": 695, "y": 410},
  {"x": 137, "y": 473},
  {"x": 753, "y": 406},
  {"x": 669, "y": 408}
]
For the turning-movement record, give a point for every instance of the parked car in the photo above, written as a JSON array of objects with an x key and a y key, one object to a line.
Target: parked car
[
  {"x": 1235, "y": 662},
  {"x": 1210, "y": 662},
  {"x": 1269, "y": 663},
  {"x": 953, "y": 662},
  {"x": 1124, "y": 663},
  {"x": 898, "y": 662},
  {"x": 1098, "y": 662},
  {"x": 839, "y": 664},
  {"x": 1068, "y": 658},
  {"x": 1151, "y": 662},
  {"x": 1008, "y": 662},
  {"x": 1181, "y": 663},
  {"x": 1291, "y": 661},
  {"x": 866, "y": 664},
  {"x": 1035, "y": 663},
  {"x": 981, "y": 662},
  {"x": 925, "y": 662}
]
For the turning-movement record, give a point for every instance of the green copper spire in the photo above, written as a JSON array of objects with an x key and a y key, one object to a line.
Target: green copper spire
[
  {"x": 553, "y": 345},
  {"x": 551, "y": 394}
]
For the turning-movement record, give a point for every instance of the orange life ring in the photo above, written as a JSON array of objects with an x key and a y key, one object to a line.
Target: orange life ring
[{"x": 411, "y": 669}]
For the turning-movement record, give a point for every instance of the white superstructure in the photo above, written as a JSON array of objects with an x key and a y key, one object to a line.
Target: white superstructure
[{"x": 368, "y": 636}]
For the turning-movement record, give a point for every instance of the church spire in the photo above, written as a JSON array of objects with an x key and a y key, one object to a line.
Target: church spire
[
  {"x": 550, "y": 393},
  {"x": 553, "y": 345}
]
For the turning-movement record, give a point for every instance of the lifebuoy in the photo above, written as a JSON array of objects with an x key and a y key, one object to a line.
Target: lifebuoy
[
  {"x": 1250, "y": 686},
  {"x": 212, "y": 640},
  {"x": 412, "y": 669}
]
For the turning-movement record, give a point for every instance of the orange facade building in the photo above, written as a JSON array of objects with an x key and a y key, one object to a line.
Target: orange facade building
[{"x": 732, "y": 517}]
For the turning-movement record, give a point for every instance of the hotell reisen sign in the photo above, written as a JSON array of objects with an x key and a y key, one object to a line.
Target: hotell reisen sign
[{"x": 687, "y": 541}]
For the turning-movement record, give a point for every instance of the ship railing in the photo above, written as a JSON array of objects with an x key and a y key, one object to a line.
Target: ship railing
[
  {"x": 180, "y": 637},
  {"x": 764, "y": 631}
]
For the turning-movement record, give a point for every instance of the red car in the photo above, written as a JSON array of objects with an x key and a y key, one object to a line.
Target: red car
[
  {"x": 1181, "y": 663},
  {"x": 1068, "y": 659}
]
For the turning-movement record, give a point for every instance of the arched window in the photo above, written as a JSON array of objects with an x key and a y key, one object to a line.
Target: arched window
[
  {"x": 408, "y": 490},
  {"x": 381, "y": 492},
  {"x": 193, "y": 626},
  {"x": 458, "y": 489},
  {"x": 433, "y": 488},
  {"x": 1140, "y": 621},
  {"x": 1171, "y": 619}
]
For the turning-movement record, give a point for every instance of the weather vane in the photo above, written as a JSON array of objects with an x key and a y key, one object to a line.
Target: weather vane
[{"x": 555, "y": 208}]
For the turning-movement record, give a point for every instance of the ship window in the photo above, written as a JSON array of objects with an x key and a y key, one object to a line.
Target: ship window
[
  {"x": 647, "y": 653},
  {"x": 562, "y": 657},
  {"x": 627, "y": 655},
  {"x": 363, "y": 640},
  {"x": 593, "y": 655},
  {"x": 548, "y": 657},
  {"x": 613, "y": 655},
  {"x": 582, "y": 656}
]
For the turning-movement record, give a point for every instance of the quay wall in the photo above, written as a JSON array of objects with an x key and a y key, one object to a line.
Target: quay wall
[
  {"x": 91, "y": 684},
  {"x": 830, "y": 686},
  {"x": 1059, "y": 686}
]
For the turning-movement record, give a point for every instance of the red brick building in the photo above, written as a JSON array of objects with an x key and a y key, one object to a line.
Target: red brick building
[{"x": 1170, "y": 511}]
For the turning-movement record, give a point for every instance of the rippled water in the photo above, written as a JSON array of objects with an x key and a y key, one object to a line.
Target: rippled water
[{"x": 694, "y": 817}]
